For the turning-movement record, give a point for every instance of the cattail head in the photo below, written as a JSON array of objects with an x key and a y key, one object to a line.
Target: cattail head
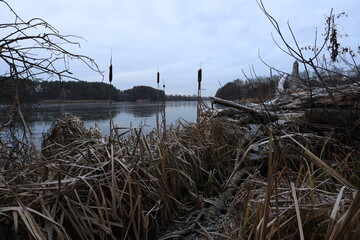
[
  {"x": 110, "y": 69},
  {"x": 199, "y": 78},
  {"x": 199, "y": 75},
  {"x": 158, "y": 77},
  {"x": 110, "y": 73}
]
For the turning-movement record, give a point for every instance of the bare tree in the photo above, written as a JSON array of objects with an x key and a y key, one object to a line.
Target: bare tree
[
  {"x": 327, "y": 55},
  {"x": 33, "y": 50},
  {"x": 325, "y": 60}
]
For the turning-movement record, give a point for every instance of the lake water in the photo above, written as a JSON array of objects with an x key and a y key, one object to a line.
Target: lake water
[{"x": 124, "y": 114}]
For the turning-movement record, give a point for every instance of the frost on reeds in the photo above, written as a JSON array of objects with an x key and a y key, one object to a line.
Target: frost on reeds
[{"x": 216, "y": 179}]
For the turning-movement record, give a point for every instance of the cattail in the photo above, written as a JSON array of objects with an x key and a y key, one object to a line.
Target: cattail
[
  {"x": 110, "y": 100},
  {"x": 199, "y": 78},
  {"x": 199, "y": 95},
  {"x": 110, "y": 71},
  {"x": 157, "y": 102}
]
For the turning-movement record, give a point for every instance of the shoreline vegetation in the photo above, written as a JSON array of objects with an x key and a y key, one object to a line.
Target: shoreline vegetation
[
  {"x": 71, "y": 101},
  {"x": 99, "y": 101},
  {"x": 80, "y": 91},
  {"x": 288, "y": 168},
  {"x": 219, "y": 178}
]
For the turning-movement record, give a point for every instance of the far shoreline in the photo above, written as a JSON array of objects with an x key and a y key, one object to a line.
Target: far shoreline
[
  {"x": 106, "y": 101},
  {"x": 71, "y": 101}
]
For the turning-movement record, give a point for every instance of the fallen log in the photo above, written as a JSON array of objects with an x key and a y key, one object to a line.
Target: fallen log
[
  {"x": 341, "y": 108},
  {"x": 254, "y": 111}
]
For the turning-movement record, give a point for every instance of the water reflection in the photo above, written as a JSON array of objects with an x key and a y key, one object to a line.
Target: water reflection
[
  {"x": 140, "y": 110},
  {"x": 124, "y": 114},
  {"x": 91, "y": 111}
]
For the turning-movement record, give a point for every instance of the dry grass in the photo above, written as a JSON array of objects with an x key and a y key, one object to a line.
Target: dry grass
[{"x": 216, "y": 179}]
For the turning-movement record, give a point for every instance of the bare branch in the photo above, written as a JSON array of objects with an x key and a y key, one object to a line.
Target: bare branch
[{"x": 33, "y": 50}]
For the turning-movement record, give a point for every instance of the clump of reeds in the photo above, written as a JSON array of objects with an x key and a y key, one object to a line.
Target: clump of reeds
[
  {"x": 284, "y": 184},
  {"x": 129, "y": 188},
  {"x": 300, "y": 197},
  {"x": 68, "y": 132}
]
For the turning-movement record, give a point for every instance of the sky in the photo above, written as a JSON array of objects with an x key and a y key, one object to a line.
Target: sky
[{"x": 177, "y": 37}]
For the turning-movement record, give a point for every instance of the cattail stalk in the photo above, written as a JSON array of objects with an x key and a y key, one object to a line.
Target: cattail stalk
[
  {"x": 110, "y": 99},
  {"x": 199, "y": 95},
  {"x": 157, "y": 102},
  {"x": 163, "y": 111}
]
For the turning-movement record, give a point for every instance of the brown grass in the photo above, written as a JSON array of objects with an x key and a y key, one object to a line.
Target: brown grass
[{"x": 216, "y": 179}]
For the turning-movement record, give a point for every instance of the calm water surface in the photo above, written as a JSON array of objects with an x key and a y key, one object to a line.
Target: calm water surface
[{"x": 125, "y": 114}]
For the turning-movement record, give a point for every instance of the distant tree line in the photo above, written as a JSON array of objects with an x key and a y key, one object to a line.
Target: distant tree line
[
  {"x": 36, "y": 91},
  {"x": 260, "y": 88},
  {"x": 24, "y": 87},
  {"x": 181, "y": 98},
  {"x": 264, "y": 88},
  {"x": 142, "y": 93},
  {"x": 76, "y": 90}
]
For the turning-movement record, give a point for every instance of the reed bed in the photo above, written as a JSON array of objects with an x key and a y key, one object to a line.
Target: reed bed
[{"x": 214, "y": 179}]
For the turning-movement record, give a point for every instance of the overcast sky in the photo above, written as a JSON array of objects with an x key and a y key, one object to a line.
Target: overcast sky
[{"x": 224, "y": 37}]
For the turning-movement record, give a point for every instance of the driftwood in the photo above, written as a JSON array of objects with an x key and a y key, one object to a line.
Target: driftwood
[
  {"x": 253, "y": 109},
  {"x": 333, "y": 105}
]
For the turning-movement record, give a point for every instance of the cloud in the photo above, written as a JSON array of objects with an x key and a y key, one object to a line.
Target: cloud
[{"x": 223, "y": 37}]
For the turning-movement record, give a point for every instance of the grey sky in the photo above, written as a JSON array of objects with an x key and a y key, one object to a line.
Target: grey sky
[{"x": 179, "y": 36}]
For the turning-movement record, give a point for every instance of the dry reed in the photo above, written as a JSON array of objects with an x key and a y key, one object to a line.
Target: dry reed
[{"x": 216, "y": 179}]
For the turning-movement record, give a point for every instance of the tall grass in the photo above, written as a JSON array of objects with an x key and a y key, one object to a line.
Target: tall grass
[{"x": 215, "y": 179}]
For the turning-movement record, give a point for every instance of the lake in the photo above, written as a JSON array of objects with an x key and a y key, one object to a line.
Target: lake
[{"x": 124, "y": 114}]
